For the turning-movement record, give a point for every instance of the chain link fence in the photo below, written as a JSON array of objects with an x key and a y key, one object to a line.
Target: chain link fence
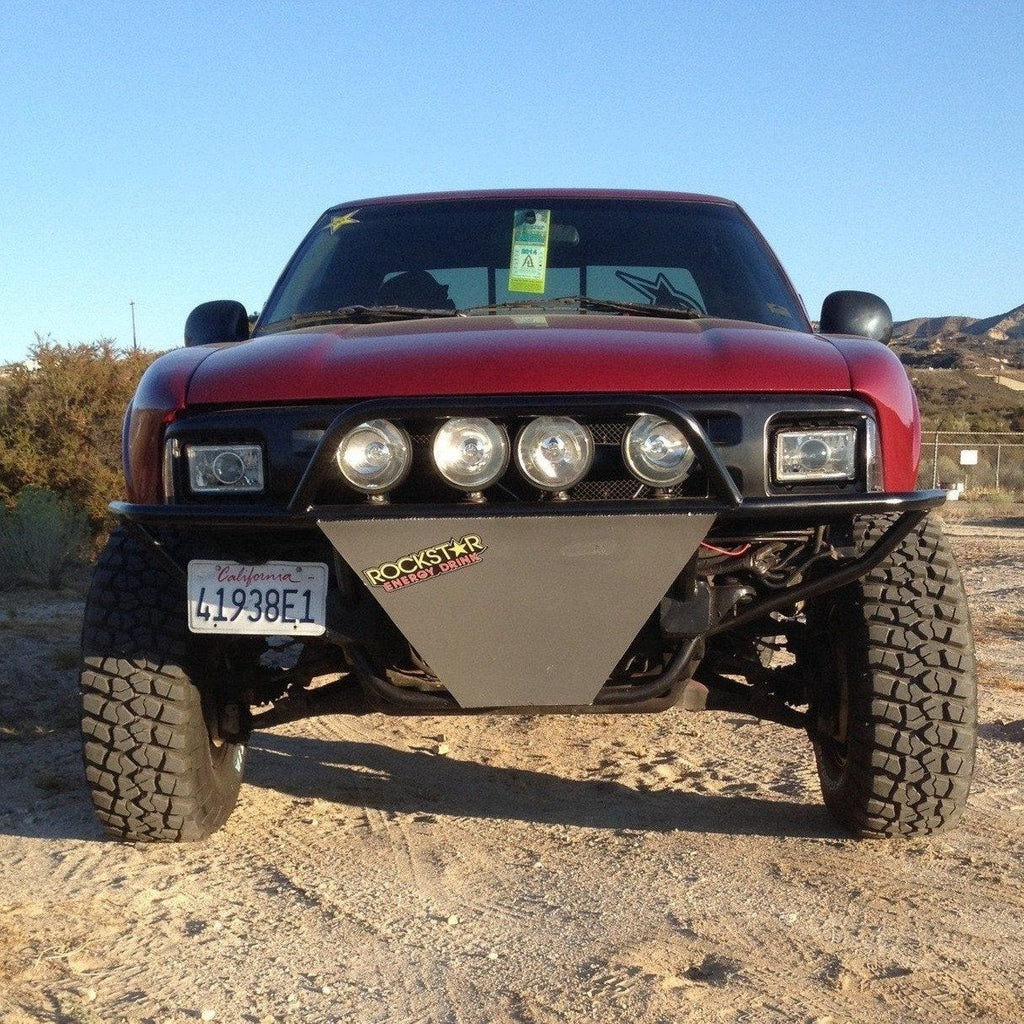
[{"x": 972, "y": 462}]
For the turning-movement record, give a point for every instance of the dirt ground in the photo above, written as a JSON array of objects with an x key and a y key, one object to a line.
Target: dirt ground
[{"x": 629, "y": 868}]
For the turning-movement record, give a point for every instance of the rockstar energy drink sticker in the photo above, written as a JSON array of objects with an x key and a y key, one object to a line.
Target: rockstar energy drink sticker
[
  {"x": 529, "y": 264},
  {"x": 426, "y": 564},
  {"x": 342, "y": 221}
]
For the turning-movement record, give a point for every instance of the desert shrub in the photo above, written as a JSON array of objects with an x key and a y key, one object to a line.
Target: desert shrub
[
  {"x": 40, "y": 538},
  {"x": 961, "y": 401},
  {"x": 60, "y": 422},
  {"x": 1000, "y": 499}
]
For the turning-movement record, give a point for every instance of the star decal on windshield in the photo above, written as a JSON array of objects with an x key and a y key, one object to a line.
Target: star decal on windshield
[
  {"x": 661, "y": 291},
  {"x": 342, "y": 221}
]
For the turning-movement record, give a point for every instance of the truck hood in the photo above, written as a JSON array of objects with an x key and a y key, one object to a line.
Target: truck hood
[{"x": 533, "y": 354}]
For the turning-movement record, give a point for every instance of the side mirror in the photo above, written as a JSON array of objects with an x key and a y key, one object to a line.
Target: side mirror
[
  {"x": 859, "y": 313},
  {"x": 213, "y": 322}
]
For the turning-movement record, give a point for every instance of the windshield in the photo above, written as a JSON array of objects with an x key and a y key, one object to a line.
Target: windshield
[{"x": 483, "y": 256}]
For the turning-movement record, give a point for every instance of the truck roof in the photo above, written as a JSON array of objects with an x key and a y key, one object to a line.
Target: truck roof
[{"x": 536, "y": 193}]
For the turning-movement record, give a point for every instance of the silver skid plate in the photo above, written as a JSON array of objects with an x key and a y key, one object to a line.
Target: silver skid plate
[{"x": 520, "y": 611}]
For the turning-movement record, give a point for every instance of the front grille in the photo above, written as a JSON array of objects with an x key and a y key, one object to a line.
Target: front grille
[
  {"x": 608, "y": 433},
  {"x": 609, "y": 490},
  {"x": 735, "y": 426}
]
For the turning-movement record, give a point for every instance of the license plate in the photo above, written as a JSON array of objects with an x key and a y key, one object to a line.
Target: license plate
[{"x": 272, "y": 599}]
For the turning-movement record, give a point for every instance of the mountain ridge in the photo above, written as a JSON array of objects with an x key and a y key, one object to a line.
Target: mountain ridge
[{"x": 962, "y": 342}]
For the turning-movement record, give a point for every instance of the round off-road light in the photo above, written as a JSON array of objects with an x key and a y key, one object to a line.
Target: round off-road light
[
  {"x": 657, "y": 451},
  {"x": 554, "y": 452},
  {"x": 471, "y": 453},
  {"x": 374, "y": 456}
]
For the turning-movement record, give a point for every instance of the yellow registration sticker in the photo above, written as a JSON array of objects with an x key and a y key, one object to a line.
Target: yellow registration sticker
[{"x": 529, "y": 263}]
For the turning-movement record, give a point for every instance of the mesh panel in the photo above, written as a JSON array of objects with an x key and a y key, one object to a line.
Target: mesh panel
[
  {"x": 607, "y": 433},
  {"x": 609, "y": 490}
]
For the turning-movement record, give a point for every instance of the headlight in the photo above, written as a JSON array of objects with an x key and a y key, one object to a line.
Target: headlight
[
  {"x": 471, "y": 453},
  {"x": 374, "y": 456},
  {"x": 225, "y": 468},
  {"x": 554, "y": 452},
  {"x": 657, "y": 452},
  {"x": 804, "y": 456}
]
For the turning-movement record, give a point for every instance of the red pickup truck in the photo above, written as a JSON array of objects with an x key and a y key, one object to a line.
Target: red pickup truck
[{"x": 532, "y": 451}]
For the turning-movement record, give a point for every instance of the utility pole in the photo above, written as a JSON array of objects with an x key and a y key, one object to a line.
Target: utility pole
[
  {"x": 135, "y": 343},
  {"x": 935, "y": 457}
]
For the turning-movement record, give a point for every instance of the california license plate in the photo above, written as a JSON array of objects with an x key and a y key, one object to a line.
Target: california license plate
[{"x": 275, "y": 598}]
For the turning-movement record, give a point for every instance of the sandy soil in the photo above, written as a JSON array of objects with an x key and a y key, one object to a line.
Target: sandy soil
[{"x": 644, "y": 868}]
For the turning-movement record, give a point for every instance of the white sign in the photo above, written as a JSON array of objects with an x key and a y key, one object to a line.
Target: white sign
[{"x": 968, "y": 457}]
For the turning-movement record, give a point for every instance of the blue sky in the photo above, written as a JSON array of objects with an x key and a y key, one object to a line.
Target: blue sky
[{"x": 169, "y": 154}]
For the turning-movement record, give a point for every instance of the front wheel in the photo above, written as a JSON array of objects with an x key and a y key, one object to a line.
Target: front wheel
[
  {"x": 156, "y": 758},
  {"x": 895, "y": 709}
]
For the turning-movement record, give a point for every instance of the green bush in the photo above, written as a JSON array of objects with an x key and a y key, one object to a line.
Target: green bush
[
  {"x": 60, "y": 422},
  {"x": 40, "y": 538}
]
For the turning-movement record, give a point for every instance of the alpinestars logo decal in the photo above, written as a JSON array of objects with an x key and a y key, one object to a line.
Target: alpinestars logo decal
[
  {"x": 426, "y": 564},
  {"x": 661, "y": 291}
]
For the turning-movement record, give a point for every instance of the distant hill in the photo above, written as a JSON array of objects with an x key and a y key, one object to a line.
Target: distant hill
[
  {"x": 962, "y": 343},
  {"x": 966, "y": 400},
  {"x": 967, "y": 372}
]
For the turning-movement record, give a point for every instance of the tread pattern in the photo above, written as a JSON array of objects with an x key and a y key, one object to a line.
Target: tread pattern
[
  {"x": 148, "y": 759},
  {"x": 912, "y": 721}
]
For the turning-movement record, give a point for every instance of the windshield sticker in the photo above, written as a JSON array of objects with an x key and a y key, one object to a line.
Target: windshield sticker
[
  {"x": 337, "y": 223},
  {"x": 529, "y": 264},
  {"x": 661, "y": 291},
  {"x": 426, "y": 564}
]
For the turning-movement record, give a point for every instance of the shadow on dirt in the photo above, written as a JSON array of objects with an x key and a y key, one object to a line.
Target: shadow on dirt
[
  {"x": 57, "y": 816},
  {"x": 1011, "y": 732},
  {"x": 1006, "y": 522},
  {"x": 389, "y": 780}
]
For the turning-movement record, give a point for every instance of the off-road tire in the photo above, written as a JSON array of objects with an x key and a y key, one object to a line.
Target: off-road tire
[
  {"x": 895, "y": 723},
  {"x": 155, "y": 771}
]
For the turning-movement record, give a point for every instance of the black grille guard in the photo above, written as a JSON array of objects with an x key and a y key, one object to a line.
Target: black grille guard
[{"x": 725, "y": 502}]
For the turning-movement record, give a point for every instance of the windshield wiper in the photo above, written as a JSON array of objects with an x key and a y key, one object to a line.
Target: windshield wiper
[
  {"x": 639, "y": 309},
  {"x": 365, "y": 315},
  {"x": 388, "y": 314},
  {"x": 586, "y": 302}
]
